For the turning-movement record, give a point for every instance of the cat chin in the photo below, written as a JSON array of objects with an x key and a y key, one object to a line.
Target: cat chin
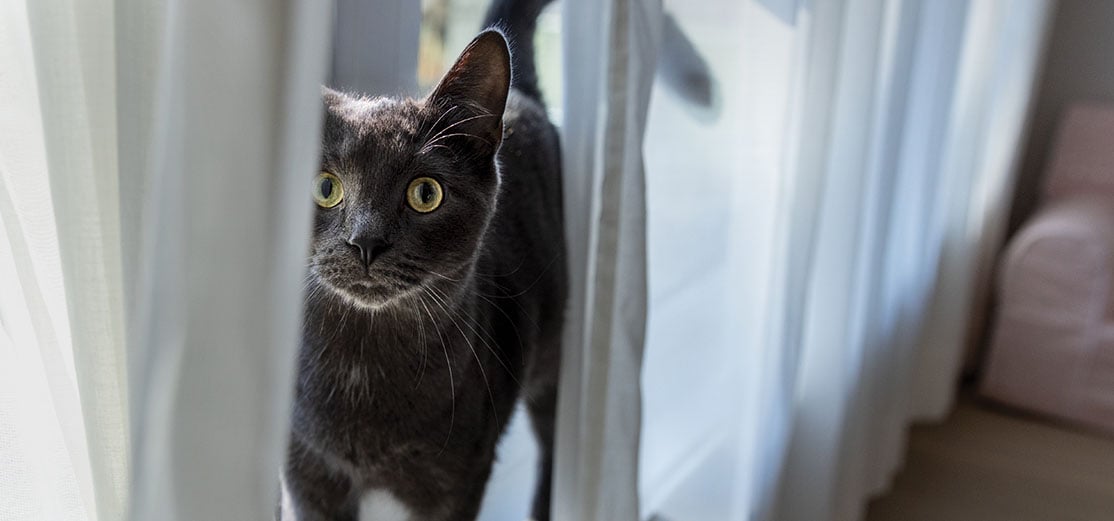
[
  {"x": 366, "y": 303},
  {"x": 362, "y": 304}
]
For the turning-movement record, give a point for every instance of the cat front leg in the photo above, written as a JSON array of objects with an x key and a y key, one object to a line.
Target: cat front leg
[{"x": 311, "y": 491}]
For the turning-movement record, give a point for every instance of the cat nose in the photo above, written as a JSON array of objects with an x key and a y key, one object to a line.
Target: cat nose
[{"x": 370, "y": 247}]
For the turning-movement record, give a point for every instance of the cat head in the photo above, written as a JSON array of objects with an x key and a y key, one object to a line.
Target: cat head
[{"x": 407, "y": 187}]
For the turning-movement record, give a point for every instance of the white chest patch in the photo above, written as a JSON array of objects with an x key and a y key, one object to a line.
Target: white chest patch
[{"x": 381, "y": 505}]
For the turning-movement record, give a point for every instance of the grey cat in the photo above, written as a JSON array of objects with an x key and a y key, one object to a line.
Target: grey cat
[{"x": 436, "y": 290}]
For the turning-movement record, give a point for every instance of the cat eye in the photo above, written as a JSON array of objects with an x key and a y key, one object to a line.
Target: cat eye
[
  {"x": 424, "y": 194},
  {"x": 327, "y": 190}
]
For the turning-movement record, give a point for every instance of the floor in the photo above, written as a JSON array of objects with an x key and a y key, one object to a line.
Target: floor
[{"x": 989, "y": 464}]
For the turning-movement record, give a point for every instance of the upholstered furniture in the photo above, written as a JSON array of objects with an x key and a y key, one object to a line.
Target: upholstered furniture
[{"x": 1052, "y": 349}]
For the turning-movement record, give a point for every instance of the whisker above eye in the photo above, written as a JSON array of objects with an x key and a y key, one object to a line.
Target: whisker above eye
[
  {"x": 438, "y": 122},
  {"x": 454, "y": 134},
  {"x": 432, "y": 148},
  {"x": 465, "y": 120}
]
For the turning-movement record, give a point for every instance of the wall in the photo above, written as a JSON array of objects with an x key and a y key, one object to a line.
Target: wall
[{"x": 1079, "y": 66}]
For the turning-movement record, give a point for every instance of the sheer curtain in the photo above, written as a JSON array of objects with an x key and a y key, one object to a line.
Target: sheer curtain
[
  {"x": 610, "y": 54},
  {"x": 813, "y": 243},
  {"x": 153, "y": 161},
  {"x": 63, "y": 372},
  {"x": 235, "y": 138},
  {"x": 952, "y": 84}
]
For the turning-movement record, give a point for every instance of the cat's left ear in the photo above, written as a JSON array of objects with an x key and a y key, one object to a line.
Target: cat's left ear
[{"x": 480, "y": 79}]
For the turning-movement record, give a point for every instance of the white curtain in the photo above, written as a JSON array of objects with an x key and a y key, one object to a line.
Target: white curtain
[
  {"x": 813, "y": 243},
  {"x": 952, "y": 83},
  {"x": 63, "y": 364},
  {"x": 236, "y": 136},
  {"x": 153, "y": 167},
  {"x": 610, "y": 52}
]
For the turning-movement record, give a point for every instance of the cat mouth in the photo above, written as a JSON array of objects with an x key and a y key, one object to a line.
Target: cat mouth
[{"x": 366, "y": 289}]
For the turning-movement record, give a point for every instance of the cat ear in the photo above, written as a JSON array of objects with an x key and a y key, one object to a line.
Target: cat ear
[{"x": 481, "y": 79}]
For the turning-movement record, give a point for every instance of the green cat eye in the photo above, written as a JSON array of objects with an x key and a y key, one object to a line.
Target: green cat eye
[
  {"x": 424, "y": 194},
  {"x": 327, "y": 190}
]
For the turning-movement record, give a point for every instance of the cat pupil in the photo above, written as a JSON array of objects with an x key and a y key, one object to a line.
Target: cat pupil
[
  {"x": 326, "y": 188},
  {"x": 426, "y": 193}
]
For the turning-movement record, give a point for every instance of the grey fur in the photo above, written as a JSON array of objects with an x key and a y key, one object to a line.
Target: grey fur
[{"x": 410, "y": 367}]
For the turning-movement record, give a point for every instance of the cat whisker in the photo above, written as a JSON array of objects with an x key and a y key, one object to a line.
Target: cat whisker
[
  {"x": 486, "y": 277},
  {"x": 439, "y": 134},
  {"x": 438, "y": 122},
  {"x": 537, "y": 279},
  {"x": 509, "y": 320},
  {"x": 466, "y": 317},
  {"x": 454, "y": 134},
  {"x": 430, "y": 149},
  {"x": 479, "y": 363},
  {"x": 431, "y": 272},
  {"x": 422, "y": 341},
  {"x": 494, "y": 305},
  {"x": 452, "y": 383}
]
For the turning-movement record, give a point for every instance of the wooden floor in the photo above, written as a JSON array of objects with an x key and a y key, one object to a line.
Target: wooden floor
[{"x": 988, "y": 464}]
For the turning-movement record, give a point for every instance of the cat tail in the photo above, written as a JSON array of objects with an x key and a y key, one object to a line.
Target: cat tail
[{"x": 518, "y": 19}]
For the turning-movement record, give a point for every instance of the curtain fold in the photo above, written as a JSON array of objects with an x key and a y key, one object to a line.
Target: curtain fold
[
  {"x": 1003, "y": 46},
  {"x": 46, "y": 474},
  {"x": 610, "y": 52},
  {"x": 813, "y": 254},
  {"x": 237, "y": 122},
  {"x": 65, "y": 349},
  {"x": 903, "y": 215},
  {"x": 74, "y": 50}
]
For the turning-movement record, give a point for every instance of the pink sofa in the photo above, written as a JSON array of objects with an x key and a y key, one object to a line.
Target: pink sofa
[{"x": 1052, "y": 349}]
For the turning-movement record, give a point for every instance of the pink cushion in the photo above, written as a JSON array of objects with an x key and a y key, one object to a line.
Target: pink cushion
[{"x": 1052, "y": 349}]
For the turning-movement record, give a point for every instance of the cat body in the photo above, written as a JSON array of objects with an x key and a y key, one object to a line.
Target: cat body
[{"x": 424, "y": 326}]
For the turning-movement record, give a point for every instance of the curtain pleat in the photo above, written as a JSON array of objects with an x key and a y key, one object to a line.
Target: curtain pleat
[
  {"x": 921, "y": 89},
  {"x": 1002, "y": 49},
  {"x": 873, "y": 141},
  {"x": 226, "y": 223},
  {"x": 82, "y": 356},
  {"x": 46, "y": 472},
  {"x": 610, "y": 54},
  {"x": 140, "y": 29}
]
